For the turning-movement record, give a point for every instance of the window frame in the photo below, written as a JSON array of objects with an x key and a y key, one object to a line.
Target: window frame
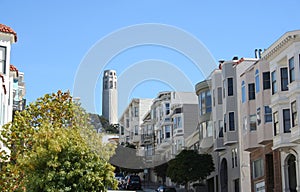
[
  {"x": 294, "y": 113},
  {"x": 274, "y": 82},
  {"x": 243, "y": 87},
  {"x": 3, "y": 60},
  {"x": 257, "y": 82},
  {"x": 260, "y": 163},
  {"x": 276, "y": 125},
  {"x": 252, "y": 121},
  {"x": 286, "y": 120},
  {"x": 284, "y": 78},
  {"x": 231, "y": 122},
  {"x": 251, "y": 91},
  {"x": 267, "y": 114},
  {"x": 291, "y": 69},
  {"x": 229, "y": 86},
  {"x": 266, "y": 80}
]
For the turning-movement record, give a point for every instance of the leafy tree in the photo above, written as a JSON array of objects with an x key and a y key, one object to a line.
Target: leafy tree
[
  {"x": 161, "y": 171},
  {"x": 54, "y": 148},
  {"x": 189, "y": 166}
]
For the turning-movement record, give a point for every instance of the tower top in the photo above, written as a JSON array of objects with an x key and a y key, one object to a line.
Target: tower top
[{"x": 109, "y": 72}]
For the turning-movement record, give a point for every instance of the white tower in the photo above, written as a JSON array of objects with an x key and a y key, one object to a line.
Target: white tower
[{"x": 110, "y": 96}]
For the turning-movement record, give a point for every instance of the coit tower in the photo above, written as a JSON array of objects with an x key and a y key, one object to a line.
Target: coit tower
[{"x": 110, "y": 96}]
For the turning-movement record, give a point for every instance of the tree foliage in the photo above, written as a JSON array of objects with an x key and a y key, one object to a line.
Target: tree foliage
[
  {"x": 54, "y": 148},
  {"x": 161, "y": 170},
  {"x": 189, "y": 166}
]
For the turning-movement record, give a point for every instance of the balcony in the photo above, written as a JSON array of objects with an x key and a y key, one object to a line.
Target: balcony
[
  {"x": 250, "y": 141},
  {"x": 166, "y": 143},
  {"x": 295, "y": 134},
  {"x": 147, "y": 139},
  {"x": 230, "y": 137},
  {"x": 206, "y": 143},
  {"x": 282, "y": 141},
  {"x": 265, "y": 134},
  {"x": 219, "y": 144}
]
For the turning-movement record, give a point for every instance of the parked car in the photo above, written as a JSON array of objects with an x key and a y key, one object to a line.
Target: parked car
[
  {"x": 165, "y": 189},
  {"x": 120, "y": 178},
  {"x": 132, "y": 182}
]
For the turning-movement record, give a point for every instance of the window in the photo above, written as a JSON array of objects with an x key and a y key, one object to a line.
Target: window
[
  {"x": 214, "y": 98},
  {"x": 276, "y": 123},
  {"x": 284, "y": 79},
  {"x": 221, "y": 134},
  {"x": 292, "y": 69},
  {"x": 127, "y": 123},
  {"x": 251, "y": 92},
  {"x": 3, "y": 60},
  {"x": 177, "y": 122},
  {"x": 110, "y": 84},
  {"x": 243, "y": 92},
  {"x": 205, "y": 102},
  {"x": 234, "y": 157},
  {"x": 136, "y": 130},
  {"x": 224, "y": 87},
  {"x": 252, "y": 119},
  {"x": 167, "y": 105},
  {"x": 294, "y": 114},
  {"x": 225, "y": 123},
  {"x": 257, "y": 81},
  {"x": 258, "y": 168},
  {"x": 286, "y": 120},
  {"x": 105, "y": 85},
  {"x": 230, "y": 86},
  {"x": 122, "y": 130},
  {"x": 268, "y": 114},
  {"x": 266, "y": 80},
  {"x": 274, "y": 83},
  {"x": 231, "y": 121},
  {"x": 206, "y": 129},
  {"x": 136, "y": 111},
  {"x": 219, "y": 95},
  {"x": 258, "y": 117},
  {"x": 168, "y": 131}
]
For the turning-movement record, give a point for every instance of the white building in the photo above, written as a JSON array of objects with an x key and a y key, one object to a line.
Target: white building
[
  {"x": 131, "y": 120},
  {"x": 110, "y": 96}
]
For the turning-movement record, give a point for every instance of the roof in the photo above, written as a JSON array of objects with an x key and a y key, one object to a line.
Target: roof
[
  {"x": 6, "y": 29},
  {"x": 13, "y": 68}
]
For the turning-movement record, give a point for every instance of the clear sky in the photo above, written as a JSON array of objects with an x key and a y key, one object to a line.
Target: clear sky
[{"x": 55, "y": 36}]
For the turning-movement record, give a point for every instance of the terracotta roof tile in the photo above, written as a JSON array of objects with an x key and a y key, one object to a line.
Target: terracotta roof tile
[
  {"x": 13, "y": 68},
  {"x": 6, "y": 29}
]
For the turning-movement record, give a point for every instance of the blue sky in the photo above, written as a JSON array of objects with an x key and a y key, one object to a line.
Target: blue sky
[{"x": 55, "y": 36}]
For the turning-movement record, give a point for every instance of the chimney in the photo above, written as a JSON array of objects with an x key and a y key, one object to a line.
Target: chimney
[
  {"x": 255, "y": 53},
  {"x": 259, "y": 53}
]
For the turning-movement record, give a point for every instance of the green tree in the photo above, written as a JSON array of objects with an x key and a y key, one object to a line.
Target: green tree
[
  {"x": 189, "y": 166},
  {"x": 54, "y": 148},
  {"x": 161, "y": 171}
]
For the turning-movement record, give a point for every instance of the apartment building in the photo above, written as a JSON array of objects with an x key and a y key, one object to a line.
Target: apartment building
[
  {"x": 131, "y": 120},
  {"x": 283, "y": 60},
  {"x": 170, "y": 121}
]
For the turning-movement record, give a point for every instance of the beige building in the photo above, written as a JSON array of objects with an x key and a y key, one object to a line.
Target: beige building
[
  {"x": 131, "y": 120},
  {"x": 283, "y": 60}
]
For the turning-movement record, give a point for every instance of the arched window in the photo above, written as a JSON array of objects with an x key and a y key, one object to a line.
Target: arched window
[
  {"x": 257, "y": 81},
  {"x": 291, "y": 173},
  {"x": 243, "y": 92}
]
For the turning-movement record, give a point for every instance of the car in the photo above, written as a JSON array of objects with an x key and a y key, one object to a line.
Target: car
[
  {"x": 132, "y": 182},
  {"x": 165, "y": 189},
  {"x": 120, "y": 178}
]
